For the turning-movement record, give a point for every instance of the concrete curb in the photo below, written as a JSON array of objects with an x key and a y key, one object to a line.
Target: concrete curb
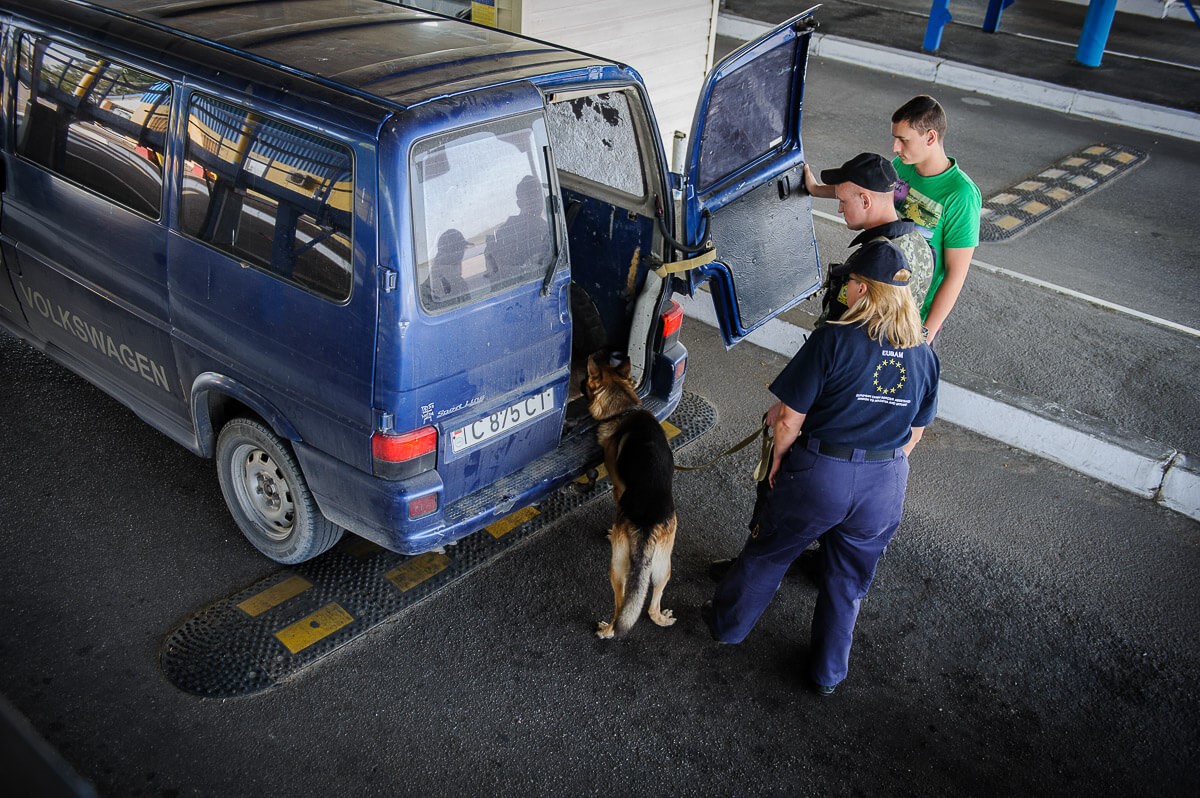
[
  {"x": 939, "y": 71},
  {"x": 1082, "y": 443},
  {"x": 1181, "y": 486}
]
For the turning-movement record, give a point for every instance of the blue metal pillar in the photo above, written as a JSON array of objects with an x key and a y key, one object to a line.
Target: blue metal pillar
[
  {"x": 991, "y": 20},
  {"x": 1096, "y": 26},
  {"x": 939, "y": 15}
]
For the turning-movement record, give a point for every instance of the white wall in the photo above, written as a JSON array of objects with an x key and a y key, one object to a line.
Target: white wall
[{"x": 669, "y": 42}]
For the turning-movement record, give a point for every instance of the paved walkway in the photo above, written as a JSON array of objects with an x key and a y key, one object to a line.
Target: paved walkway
[{"x": 1152, "y": 61}]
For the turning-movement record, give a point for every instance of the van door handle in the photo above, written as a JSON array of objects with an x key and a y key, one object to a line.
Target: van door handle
[{"x": 785, "y": 187}]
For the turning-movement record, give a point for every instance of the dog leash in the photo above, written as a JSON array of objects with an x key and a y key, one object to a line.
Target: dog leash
[{"x": 768, "y": 444}]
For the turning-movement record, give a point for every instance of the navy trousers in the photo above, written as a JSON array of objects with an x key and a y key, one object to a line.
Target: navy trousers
[{"x": 858, "y": 503}]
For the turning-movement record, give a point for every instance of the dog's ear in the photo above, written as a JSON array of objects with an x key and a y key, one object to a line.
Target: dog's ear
[
  {"x": 593, "y": 369},
  {"x": 622, "y": 364}
]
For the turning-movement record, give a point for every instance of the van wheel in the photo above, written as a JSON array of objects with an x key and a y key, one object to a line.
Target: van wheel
[{"x": 268, "y": 496}]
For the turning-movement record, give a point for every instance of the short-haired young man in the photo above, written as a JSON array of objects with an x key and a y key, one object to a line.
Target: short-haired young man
[{"x": 936, "y": 195}]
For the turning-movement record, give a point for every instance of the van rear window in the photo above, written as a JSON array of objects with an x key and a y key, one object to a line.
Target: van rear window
[
  {"x": 270, "y": 194},
  {"x": 481, "y": 202},
  {"x": 94, "y": 121},
  {"x": 595, "y": 138}
]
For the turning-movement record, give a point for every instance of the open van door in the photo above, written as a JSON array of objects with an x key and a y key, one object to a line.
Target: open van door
[{"x": 744, "y": 191}]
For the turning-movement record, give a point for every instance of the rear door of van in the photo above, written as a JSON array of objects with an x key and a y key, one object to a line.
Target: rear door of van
[
  {"x": 744, "y": 192},
  {"x": 476, "y": 339}
]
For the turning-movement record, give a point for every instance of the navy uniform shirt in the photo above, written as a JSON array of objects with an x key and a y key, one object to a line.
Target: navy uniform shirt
[{"x": 858, "y": 392}]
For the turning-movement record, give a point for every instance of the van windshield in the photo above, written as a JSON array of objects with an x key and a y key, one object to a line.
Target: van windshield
[{"x": 481, "y": 201}]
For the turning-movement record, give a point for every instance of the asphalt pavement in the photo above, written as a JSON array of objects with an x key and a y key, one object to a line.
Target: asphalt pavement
[
  {"x": 1075, "y": 338},
  {"x": 1030, "y": 632}
]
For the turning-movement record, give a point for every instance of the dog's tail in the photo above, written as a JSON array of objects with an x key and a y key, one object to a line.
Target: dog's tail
[{"x": 637, "y": 587}]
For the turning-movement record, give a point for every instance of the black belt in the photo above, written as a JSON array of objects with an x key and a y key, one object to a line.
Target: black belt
[{"x": 847, "y": 452}]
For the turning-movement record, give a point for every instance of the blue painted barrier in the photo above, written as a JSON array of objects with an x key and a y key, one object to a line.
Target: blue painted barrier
[{"x": 1096, "y": 26}]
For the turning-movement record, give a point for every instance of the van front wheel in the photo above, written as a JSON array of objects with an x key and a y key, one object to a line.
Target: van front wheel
[{"x": 268, "y": 496}]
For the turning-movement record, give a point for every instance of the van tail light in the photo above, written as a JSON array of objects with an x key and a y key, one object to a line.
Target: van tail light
[
  {"x": 403, "y": 455},
  {"x": 669, "y": 322}
]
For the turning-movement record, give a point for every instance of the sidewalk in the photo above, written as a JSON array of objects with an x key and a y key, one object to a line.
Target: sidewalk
[
  {"x": 1149, "y": 60},
  {"x": 1126, "y": 89}
]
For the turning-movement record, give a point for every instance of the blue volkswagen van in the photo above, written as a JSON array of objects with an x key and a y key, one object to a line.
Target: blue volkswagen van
[{"x": 356, "y": 252}]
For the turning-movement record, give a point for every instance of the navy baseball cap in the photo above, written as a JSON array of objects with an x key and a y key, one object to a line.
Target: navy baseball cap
[
  {"x": 872, "y": 172},
  {"x": 875, "y": 260}
]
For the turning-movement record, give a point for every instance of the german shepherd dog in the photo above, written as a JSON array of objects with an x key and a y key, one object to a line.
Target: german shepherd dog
[{"x": 641, "y": 466}]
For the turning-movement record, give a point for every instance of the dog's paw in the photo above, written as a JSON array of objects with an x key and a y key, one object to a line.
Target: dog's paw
[
  {"x": 604, "y": 630},
  {"x": 664, "y": 618},
  {"x": 587, "y": 483}
]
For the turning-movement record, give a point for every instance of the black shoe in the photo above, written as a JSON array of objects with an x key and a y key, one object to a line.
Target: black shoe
[
  {"x": 824, "y": 690},
  {"x": 706, "y": 612},
  {"x": 718, "y": 568}
]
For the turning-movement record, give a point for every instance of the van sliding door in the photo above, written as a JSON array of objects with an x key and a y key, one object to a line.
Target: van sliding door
[{"x": 262, "y": 273}]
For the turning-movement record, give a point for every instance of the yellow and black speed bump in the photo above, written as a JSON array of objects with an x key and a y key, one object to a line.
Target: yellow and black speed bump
[
  {"x": 255, "y": 639},
  {"x": 1040, "y": 196}
]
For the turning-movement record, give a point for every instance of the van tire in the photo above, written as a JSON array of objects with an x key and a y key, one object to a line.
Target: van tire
[{"x": 267, "y": 495}]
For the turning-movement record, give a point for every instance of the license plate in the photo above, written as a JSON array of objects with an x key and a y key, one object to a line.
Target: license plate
[{"x": 502, "y": 421}]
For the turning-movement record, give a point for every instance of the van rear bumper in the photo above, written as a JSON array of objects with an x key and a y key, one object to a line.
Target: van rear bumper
[{"x": 377, "y": 509}]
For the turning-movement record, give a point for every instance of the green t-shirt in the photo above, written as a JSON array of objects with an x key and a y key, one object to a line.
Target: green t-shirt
[{"x": 945, "y": 208}]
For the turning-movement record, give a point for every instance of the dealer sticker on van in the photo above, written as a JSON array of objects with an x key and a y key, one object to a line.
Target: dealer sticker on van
[{"x": 501, "y": 421}]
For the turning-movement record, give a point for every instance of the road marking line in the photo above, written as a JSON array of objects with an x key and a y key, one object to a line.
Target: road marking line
[
  {"x": 274, "y": 596},
  {"x": 511, "y": 521},
  {"x": 313, "y": 628},
  {"x": 416, "y": 570},
  {"x": 1091, "y": 300}
]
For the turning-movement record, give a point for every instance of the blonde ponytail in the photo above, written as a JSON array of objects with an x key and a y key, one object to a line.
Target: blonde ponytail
[{"x": 887, "y": 311}]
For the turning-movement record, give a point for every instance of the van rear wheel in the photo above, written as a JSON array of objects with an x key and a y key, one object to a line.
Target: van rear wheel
[{"x": 267, "y": 495}]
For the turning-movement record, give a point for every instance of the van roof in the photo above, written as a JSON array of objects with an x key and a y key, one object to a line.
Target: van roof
[{"x": 372, "y": 47}]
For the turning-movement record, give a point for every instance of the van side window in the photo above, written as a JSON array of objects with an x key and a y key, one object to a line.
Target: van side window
[
  {"x": 271, "y": 194},
  {"x": 595, "y": 138},
  {"x": 746, "y": 115},
  {"x": 94, "y": 121},
  {"x": 481, "y": 202}
]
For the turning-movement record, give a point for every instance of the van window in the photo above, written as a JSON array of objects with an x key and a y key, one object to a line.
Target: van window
[
  {"x": 271, "y": 194},
  {"x": 595, "y": 138},
  {"x": 747, "y": 115},
  {"x": 481, "y": 202},
  {"x": 94, "y": 121}
]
